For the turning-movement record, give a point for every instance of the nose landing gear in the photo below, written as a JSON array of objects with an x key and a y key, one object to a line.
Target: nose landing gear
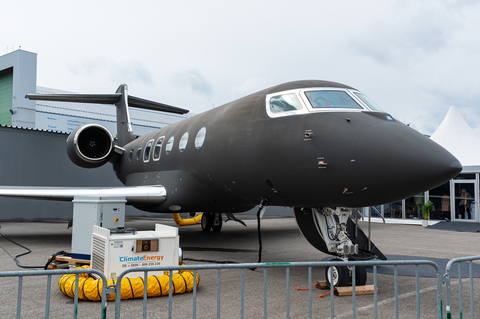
[
  {"x": 338, "y": 274},
  {"x": 342, "y": 275},
  {"x": 326, "y": 229}
]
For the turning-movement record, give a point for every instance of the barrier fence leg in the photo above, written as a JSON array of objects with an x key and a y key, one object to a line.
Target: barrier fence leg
[
  {"x": 242, "y": 293},
  {"x": 448, "y": 297},
  {"x": 47, "y": 303},
  {"x": 265, "y": 293},
  {"x": 75, "y": 303},
  {"x": 194, "y": 294},
  {"x": 472, "y": 313},
  {"x": 19, "y": 296},
  {"x": 460, "y": 297},
  {"x": 218, "y": 292}
]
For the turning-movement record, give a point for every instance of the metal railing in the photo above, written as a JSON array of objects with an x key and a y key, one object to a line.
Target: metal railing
[
  {"x": 356, "y": 212},
  {"x": 263, "y": 300},
  {"x": 287, "y": 267},
  {"x": 378, "y": 213},
  {"x": 49, "y": 274},
  {"x": 448, "y": 278}
]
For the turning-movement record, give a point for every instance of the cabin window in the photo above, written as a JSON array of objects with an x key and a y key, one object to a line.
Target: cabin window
[
  {"x": 365, "y": 99},
  {"x": 169, "y": 146},
  {"x": 139, "y": 152},
  {"x": 285, "y": 103},
  {"x": 331, "y": 99},
  {"x": 130, "y": 155},
  {"x": 200, "y": 138},
  {"x": 183, "y": 142},
  {"x": 158, "y": 148},
  {"x": 148, "y": 148}
]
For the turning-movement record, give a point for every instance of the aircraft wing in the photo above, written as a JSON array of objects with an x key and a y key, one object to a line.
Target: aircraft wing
[{"x": 135, "y": 195}]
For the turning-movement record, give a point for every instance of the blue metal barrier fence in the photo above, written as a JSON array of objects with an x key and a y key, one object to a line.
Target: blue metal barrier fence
[
  {"x": 49, "y": 274},
  {"x": 437, "y": 312},
  {"x": 288, "y": 266},
  {"x": 448, "y": 279}
]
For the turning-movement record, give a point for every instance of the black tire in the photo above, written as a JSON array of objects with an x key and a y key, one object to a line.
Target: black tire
[
  {"x": 360, "y": 276},
  {"x": 218, "y": 228},
  {"x": 207, "y": 221},
  {"x": 341, "y": 275}
]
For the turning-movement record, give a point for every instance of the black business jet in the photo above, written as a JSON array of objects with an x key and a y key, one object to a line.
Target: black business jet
[{"x": 319, "y": 147}]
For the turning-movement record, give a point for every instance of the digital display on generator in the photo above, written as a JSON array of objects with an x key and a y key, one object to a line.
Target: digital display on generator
[{"x": 146, "y": 245}]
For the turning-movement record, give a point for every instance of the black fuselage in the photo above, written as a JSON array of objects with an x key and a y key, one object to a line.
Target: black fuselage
[{"x": 333, "y": 158}]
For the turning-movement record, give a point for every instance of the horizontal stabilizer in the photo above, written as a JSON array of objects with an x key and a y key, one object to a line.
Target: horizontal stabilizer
[
  {"x": 135, "y": 195},
  {"x": 107, "y": 98}
]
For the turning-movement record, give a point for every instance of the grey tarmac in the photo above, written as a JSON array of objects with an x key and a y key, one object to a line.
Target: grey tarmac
[{"x": 282, "y": 242}]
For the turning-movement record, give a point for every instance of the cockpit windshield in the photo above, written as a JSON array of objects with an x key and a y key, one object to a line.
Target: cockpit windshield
[
  {"x": 331, "y": 99},
  {"x": 285, "y": 102},
  {"x": 369, "y": 102}
]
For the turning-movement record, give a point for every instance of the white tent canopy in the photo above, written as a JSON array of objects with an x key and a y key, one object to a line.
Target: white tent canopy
[{"x": 457, "y": 137}]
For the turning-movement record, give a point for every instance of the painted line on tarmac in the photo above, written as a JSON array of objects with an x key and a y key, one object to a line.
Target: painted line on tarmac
[{"x": 390, "y": 300}]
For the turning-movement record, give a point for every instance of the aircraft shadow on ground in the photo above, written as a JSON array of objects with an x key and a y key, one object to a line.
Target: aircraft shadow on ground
[{"x": 426, "y": 270}]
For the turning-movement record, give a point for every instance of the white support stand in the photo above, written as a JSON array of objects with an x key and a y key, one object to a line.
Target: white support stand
[{"x": 107, "y": 212}]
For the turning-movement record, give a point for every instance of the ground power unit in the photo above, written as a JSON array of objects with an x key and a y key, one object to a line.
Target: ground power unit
[
  {"x": 108, "y": 212},
  {"x": 115, "y": 250}
]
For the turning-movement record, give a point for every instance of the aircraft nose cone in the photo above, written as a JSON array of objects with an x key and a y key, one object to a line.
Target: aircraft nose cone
[
  {"x": 396, "y": 162},
  {"x": 456, "y": 167}
]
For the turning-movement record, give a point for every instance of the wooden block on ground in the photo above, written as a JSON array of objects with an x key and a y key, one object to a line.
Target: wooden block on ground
[
  {"x": 322, "y": 285},
  {"x": 64, "y": 260},
  {"x": 359, "y": 290}
]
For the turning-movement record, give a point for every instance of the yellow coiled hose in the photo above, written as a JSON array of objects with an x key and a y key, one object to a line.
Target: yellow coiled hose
[{"x": 91, "y": 289}]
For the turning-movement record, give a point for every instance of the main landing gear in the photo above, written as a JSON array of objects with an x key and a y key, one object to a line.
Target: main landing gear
[
  {"x": 211, "y": 221},
  {"x": 332, "y": 231}
]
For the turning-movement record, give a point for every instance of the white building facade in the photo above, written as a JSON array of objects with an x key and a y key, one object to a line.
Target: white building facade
[{"x": 18, "y": 77}]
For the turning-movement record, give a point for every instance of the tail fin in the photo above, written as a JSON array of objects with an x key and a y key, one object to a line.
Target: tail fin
[
  {"x": 120, "y": 99},
  {"x": 124, "y": 125}
]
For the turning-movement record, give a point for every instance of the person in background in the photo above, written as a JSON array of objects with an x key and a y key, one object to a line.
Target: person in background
[
  {"x": 445, "y": 207},
  {"x": 464, "y": 205}
]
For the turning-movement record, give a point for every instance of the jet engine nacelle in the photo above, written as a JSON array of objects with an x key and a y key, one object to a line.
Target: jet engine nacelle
[{"x": 90, "y": 146}]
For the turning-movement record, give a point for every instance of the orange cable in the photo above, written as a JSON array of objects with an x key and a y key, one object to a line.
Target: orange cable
[{"x": 298, "y": 288}]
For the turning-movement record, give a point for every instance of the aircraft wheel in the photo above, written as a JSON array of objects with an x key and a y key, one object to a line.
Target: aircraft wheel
[
  {"x": 217, "y": 228},
  {"x": 360, "y": 275},
  {"x": 207, "y": 221},
  {"x": 341, "y": 276}
]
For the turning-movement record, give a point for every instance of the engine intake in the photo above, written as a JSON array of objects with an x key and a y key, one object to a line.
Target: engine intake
[{"x": 90, "y": 146}]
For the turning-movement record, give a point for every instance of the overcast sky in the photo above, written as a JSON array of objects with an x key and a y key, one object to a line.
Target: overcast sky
[{"x": 413, "y": 58}]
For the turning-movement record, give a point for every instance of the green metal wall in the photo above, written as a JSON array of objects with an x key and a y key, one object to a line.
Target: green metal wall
[{"x": 6, "y": 94}]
